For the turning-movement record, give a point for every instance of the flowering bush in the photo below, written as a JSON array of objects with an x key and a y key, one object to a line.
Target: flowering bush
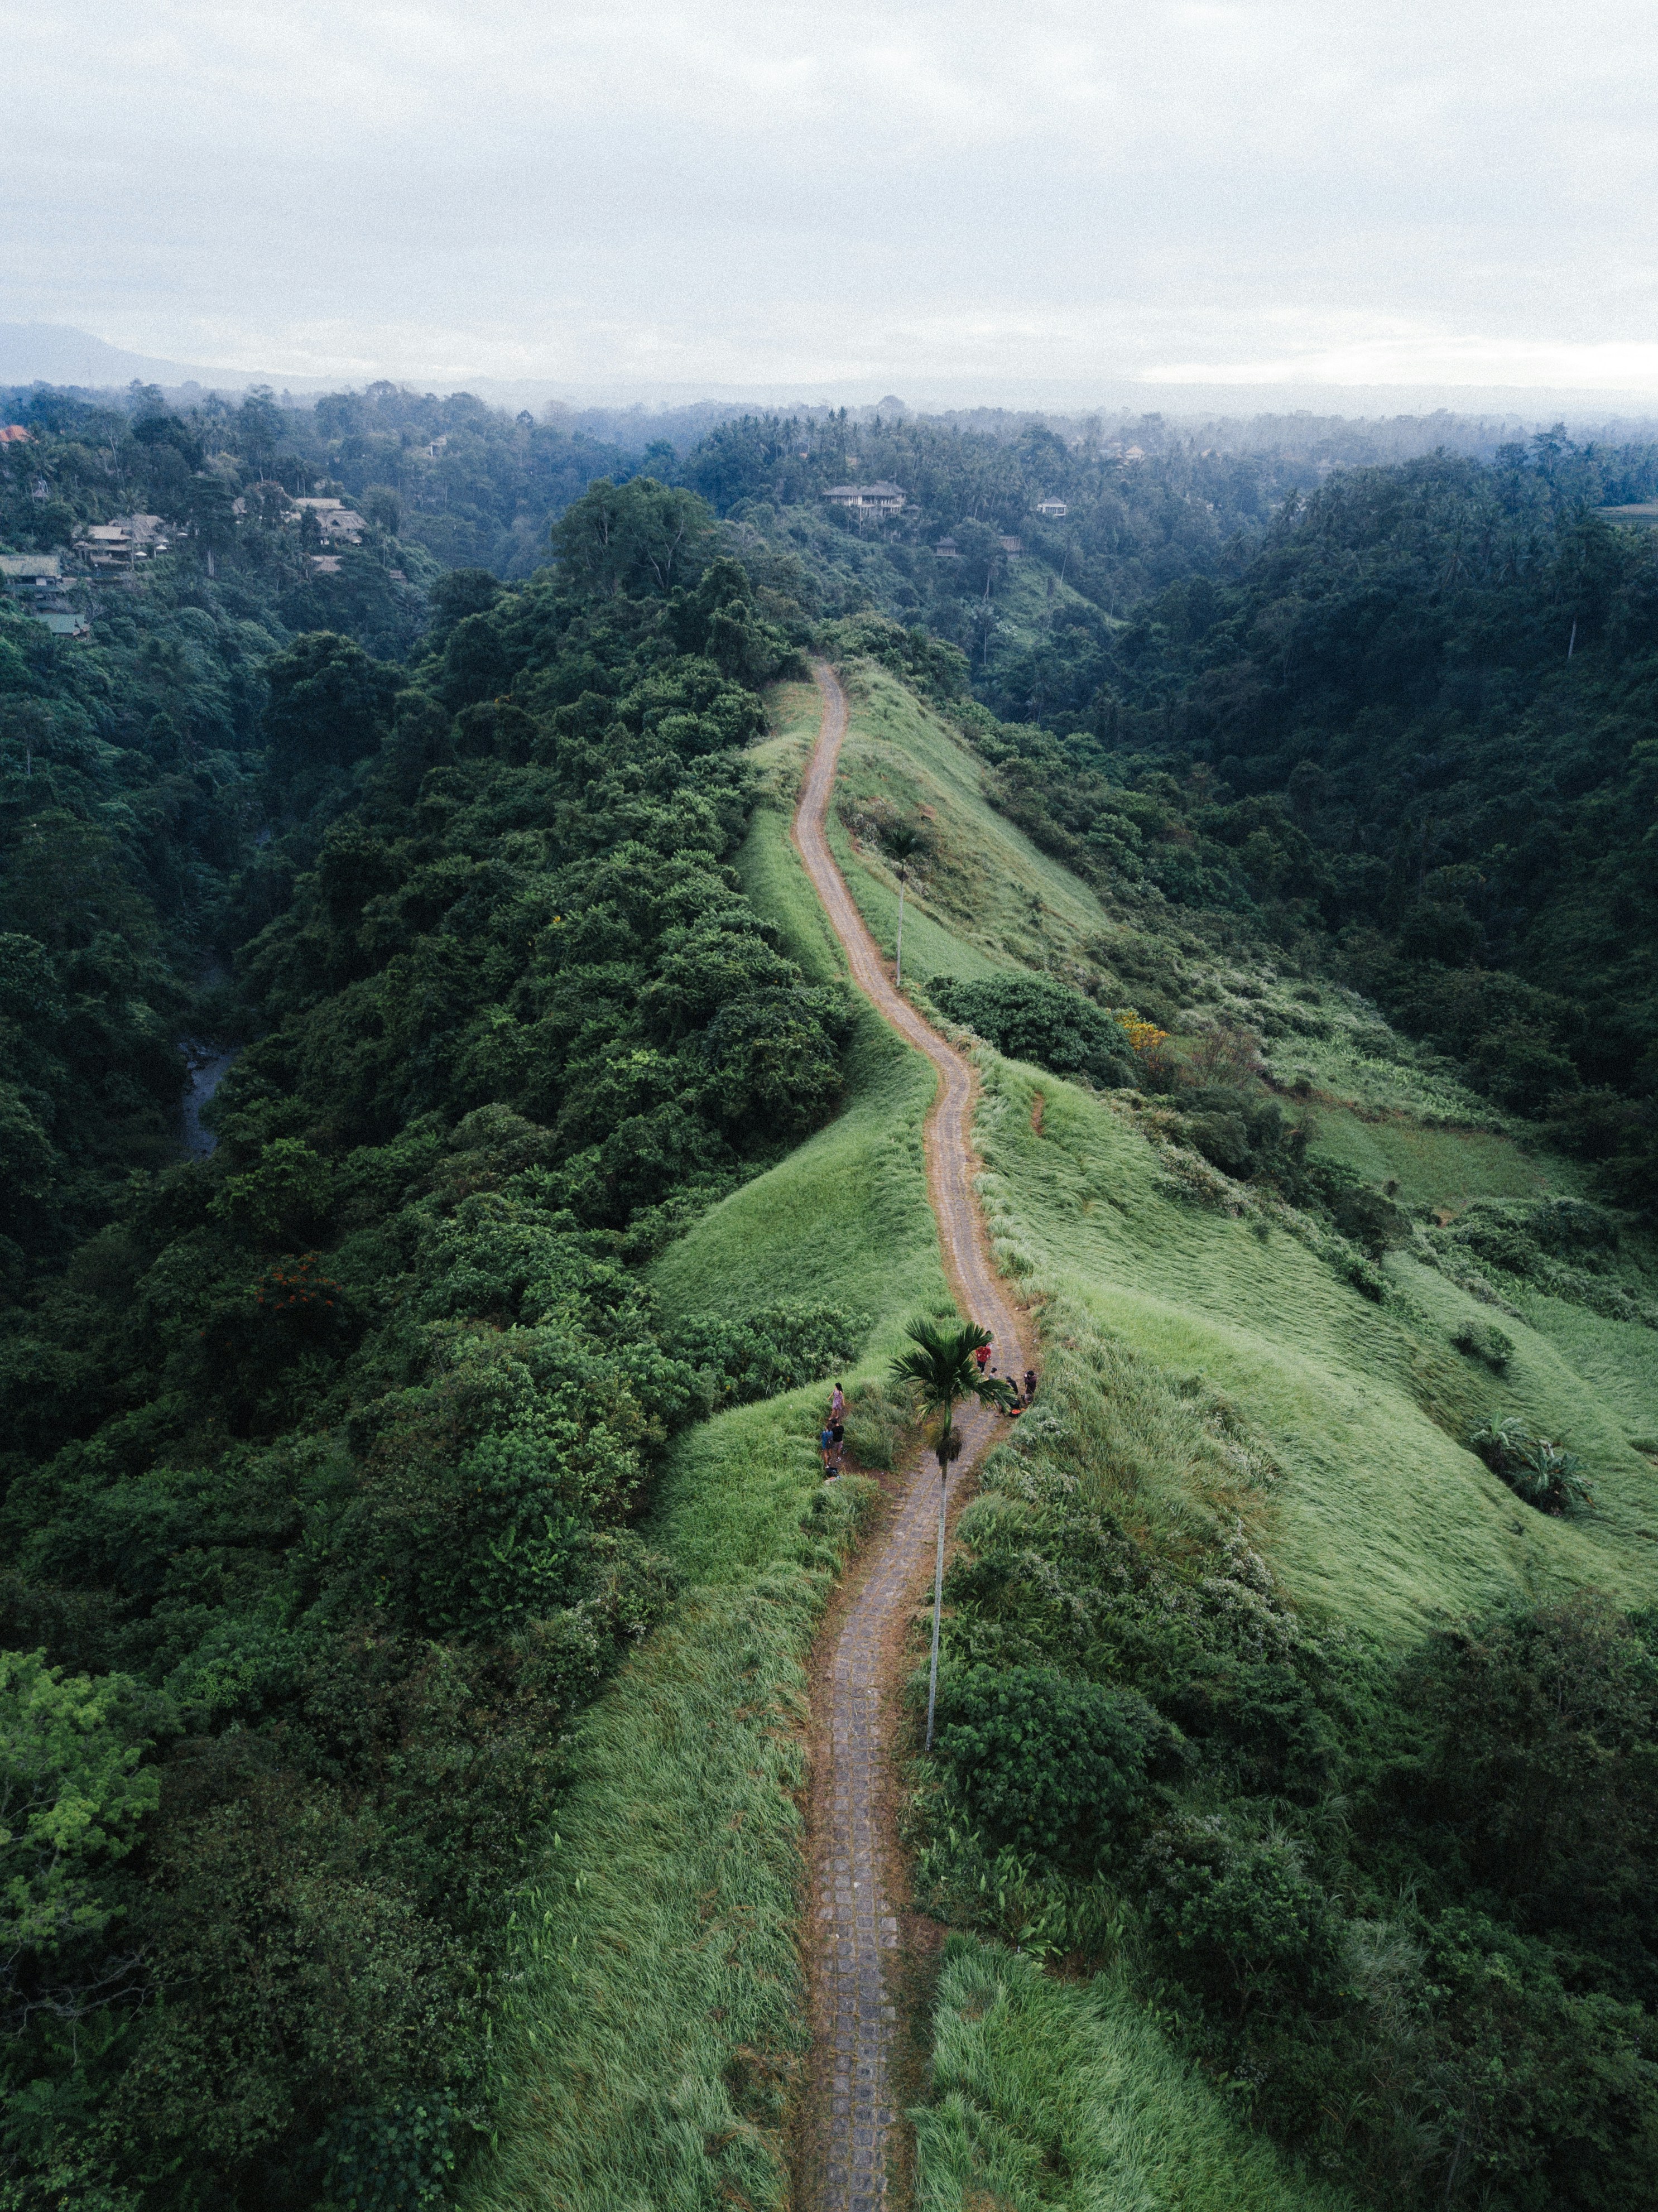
[{"x": 1145, "y": 1037}]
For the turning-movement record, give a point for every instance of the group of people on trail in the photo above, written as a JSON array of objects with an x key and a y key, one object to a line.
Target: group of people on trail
[
  {"x": 983, "y": 1358},
  {"x": 832, "y": 1440}
]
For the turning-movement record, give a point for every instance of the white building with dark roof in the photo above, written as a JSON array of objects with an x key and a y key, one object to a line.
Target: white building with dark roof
[{"x": 881, "y": 498}]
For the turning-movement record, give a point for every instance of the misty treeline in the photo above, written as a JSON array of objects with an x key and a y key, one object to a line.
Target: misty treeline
[
  {"x": 449, "y": 482},
  {"x": 1398, "y": 718}
]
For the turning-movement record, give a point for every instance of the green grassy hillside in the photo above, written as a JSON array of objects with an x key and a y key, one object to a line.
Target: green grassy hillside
[
  {"x": 844, "y": 1217},
  {"x": 1378, "y": 1512},
  {"x": 1238, "y": 1374},
  {"x": 1248, "y": 1490},
  {"x": 983, "y": 900},
  {"x": 1024, "y": 2067},
  {"x": 1141, "y": 2131},
  {"x": 660, "y": 2016}
]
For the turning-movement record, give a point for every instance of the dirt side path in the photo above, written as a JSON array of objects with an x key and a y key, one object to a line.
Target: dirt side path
[{"x": 856, "y": 1929}]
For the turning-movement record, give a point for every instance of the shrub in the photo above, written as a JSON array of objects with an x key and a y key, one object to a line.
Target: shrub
[
  {"x": 1573, "y": 1229},
  {"x": 1032, "y": 1019},
  {"x": 876, "y": 1426},
  {"x": 1542, "y": 1473},
  {"x": 1045, "y": 1764},
  {"x": 394, "y": 2159},
  {"x": 774, "y": 1349},
  {"x": 1237, "y": 1919},
  {"x": 1480, "y": 1341},
  {"x": 1501, "y": 1237},
  {"x": 1521, "y": 1067}
]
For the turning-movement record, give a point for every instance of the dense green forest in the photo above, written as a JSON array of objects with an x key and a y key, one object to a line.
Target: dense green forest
[
  {"x": 324, "y": 1450},
  {"x": 326, "y": 1455}
]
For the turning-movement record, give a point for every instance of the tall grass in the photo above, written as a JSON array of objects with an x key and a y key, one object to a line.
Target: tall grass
[
  {"x": 1379, "y": 1515},
  {"x": 985, "y": 900},
  {"x": 656, "y": 2022},
  {"x": 657, "y": 2017},
  {"x": 1439, "y": 1167},
  {"x": 1051, "y": 2094},
  {"x": 1205, "y": 1365}
]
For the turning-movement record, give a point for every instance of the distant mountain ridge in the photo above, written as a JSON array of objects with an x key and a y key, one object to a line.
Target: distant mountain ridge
[{"x": 56, "y": 353}]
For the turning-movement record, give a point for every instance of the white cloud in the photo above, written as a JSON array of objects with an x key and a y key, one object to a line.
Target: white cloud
[{"x": 1244, "y": 192}]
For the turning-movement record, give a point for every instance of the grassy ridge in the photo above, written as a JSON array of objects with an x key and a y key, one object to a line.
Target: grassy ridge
[
  {"x": 1182, "y": 1316},
  {"x": 1057, "y": 2094},
  {"x": 1441, "y": 1167},
  {"x": 1379, "y": 1514},
  {"x": 986, "y": 901},
  {"x": 659, "y": 2014}
]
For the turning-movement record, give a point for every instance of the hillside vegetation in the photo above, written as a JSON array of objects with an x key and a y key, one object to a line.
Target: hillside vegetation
[
  {"x": 327, "y": 1454},
  {"x": 1240, "y": 1584},
  {"x": 413, "y": 1536},
  {"x": 661, "y": 2010}
]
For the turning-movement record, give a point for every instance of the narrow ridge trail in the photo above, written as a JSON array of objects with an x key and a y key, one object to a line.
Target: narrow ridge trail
[{"x": 856, "y": 1927}]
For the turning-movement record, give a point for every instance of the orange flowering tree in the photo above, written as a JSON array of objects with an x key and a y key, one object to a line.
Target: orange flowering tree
[{"x": 1145, "y": 1037}]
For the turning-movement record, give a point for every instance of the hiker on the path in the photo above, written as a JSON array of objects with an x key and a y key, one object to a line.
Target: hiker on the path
[
  {"x": 837, "y": 1423},
  {"x": 1029, "y": 1386},
  {"x": 982, "y": 1355},
  {"x": 831, "y": 1451}
]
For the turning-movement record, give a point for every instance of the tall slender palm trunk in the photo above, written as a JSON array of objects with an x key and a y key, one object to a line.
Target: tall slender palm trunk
[{"x": 938, "y": 1602}]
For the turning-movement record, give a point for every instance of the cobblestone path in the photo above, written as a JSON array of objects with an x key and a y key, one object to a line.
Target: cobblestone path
[{"x": 856, "y": 1927}]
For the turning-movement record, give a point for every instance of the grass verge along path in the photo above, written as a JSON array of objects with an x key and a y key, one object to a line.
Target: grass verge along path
[{"x": 854, "y": 1924}]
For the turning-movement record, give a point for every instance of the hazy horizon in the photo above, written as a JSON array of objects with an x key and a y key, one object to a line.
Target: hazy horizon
[{"x": 1253, "y": 198}]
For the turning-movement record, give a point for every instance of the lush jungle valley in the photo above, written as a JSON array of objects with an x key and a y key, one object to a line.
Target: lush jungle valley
[{"x": 413, "y": 1539}]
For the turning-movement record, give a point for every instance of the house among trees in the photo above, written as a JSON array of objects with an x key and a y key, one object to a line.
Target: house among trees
[
  {"x": 946, "y": 549},
  {"x": 1054, "y": 510},
  {"x": 12, "y": 434},
  {"x": 339, "y": 524},
  {"x": 35, "y": 583},
  {"x": 1012, "y": 544},
  {"x": 123, "y": 542},
  {"x": 23, "y": 574},
  {"x": 867, "y": 499}
]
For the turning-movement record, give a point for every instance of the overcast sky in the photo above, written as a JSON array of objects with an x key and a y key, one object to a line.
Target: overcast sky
[{"x": 1357, "y": 192}]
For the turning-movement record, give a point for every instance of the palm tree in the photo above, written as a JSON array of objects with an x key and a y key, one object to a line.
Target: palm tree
[
  {"x": 903, "y": 844},
  {"x": 942, "y": 1371}
]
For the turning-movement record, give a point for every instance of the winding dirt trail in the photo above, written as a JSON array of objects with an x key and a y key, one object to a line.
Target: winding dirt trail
[{"x": 854, "y": 2024}]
